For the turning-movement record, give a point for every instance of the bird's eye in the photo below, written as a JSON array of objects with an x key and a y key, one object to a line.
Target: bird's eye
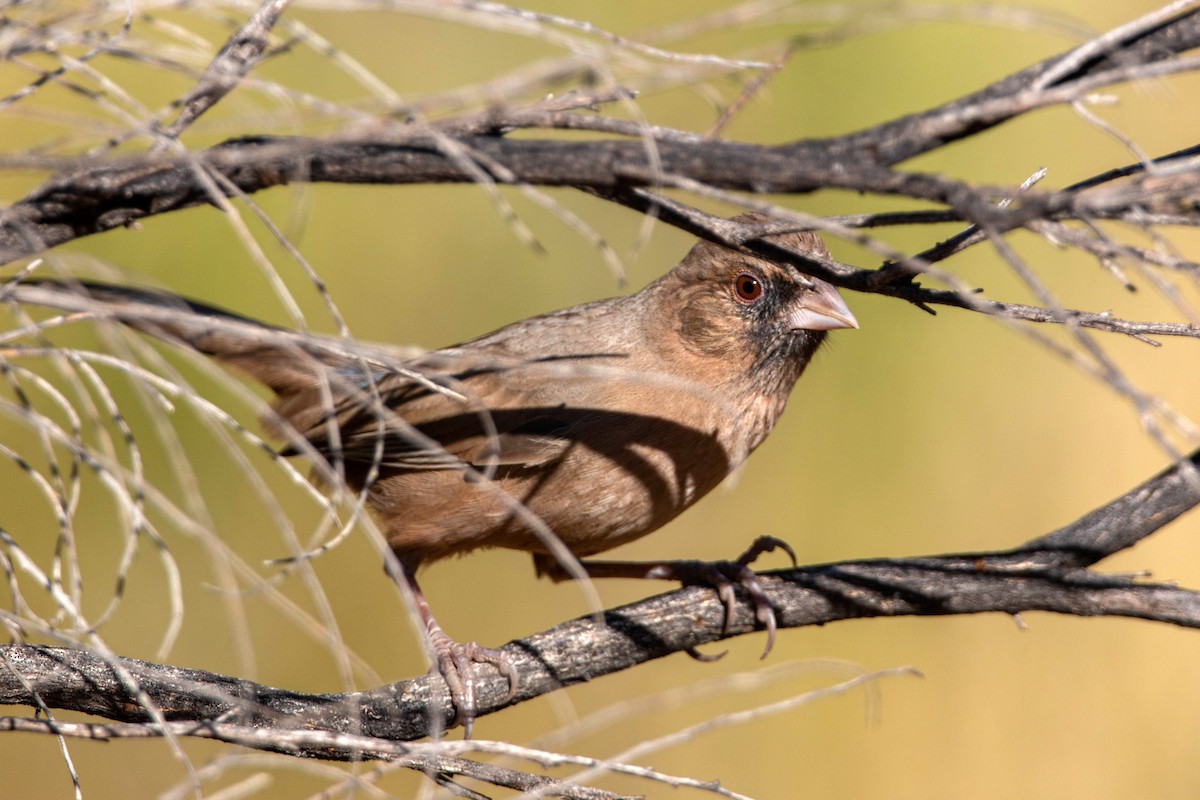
[{"x": 747, "y": 288}]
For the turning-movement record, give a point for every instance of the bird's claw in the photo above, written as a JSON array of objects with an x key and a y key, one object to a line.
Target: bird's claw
[
  {"x": 728, "y": 574},
  {"x": 705, "y": 658},
  {"x": 766, "y": 544}
]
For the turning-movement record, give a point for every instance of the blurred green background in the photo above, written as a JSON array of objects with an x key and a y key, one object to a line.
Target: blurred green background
[{"x": 914, "y": 435}]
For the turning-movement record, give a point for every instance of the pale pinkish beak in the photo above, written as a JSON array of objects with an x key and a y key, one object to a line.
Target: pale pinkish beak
[{"x": 822, "y": 309}]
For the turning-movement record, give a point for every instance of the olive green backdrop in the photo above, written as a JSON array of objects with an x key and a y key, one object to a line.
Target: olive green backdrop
[{"x": 913, "y": 435}]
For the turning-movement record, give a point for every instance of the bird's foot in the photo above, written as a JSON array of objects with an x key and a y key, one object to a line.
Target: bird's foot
[
  {"x": 726, "y": 576},
  {"x": 455, "y": 662}
]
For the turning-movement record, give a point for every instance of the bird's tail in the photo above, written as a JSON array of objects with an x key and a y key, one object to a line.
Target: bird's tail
[{"x": 283, "y": 360}]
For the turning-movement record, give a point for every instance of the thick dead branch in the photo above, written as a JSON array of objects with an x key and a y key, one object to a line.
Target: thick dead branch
[
  {"x": 1046, "y": 574},
  {"x": 112, "y": 193},
  {"x": 115, "y": 196}
]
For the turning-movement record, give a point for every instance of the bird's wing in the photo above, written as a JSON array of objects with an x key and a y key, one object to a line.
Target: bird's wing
[{"x": 483, "y": 414}]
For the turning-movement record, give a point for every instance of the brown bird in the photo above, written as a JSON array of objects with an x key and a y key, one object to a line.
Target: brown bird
[{"x": 562, "y": 435}]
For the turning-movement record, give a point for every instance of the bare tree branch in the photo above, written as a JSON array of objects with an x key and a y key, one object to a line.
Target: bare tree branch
[
  {"x": 1045, "y": 574},
  {"x": 241, "y": 53},
  {"x": 89, "y": 200}
]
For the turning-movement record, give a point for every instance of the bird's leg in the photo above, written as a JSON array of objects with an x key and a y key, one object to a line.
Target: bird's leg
[
  {"x": 724, "y": 576},
  {"x": 455, "y": 661}
]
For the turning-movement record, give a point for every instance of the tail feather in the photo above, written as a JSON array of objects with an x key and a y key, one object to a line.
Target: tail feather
[{"x": 284, "y": 361}]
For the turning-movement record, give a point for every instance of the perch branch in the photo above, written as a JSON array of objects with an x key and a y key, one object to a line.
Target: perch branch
[{"x": 1046, "y": 574}]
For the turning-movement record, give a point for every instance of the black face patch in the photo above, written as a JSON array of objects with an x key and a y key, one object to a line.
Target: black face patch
[{"x": 779, "y": 351}]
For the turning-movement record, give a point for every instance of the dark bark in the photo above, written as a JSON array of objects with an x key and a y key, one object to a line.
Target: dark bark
[{"x": 1046, "y": 574}]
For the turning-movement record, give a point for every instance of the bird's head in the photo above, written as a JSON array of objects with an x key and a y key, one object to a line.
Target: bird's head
[{"x": 751, "y": 316}]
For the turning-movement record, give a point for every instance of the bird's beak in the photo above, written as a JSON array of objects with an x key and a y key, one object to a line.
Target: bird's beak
[{"x": 822, "y": 309}]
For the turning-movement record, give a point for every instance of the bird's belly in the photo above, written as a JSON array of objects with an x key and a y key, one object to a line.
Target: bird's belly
[{"x": 589, "y": 500}]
